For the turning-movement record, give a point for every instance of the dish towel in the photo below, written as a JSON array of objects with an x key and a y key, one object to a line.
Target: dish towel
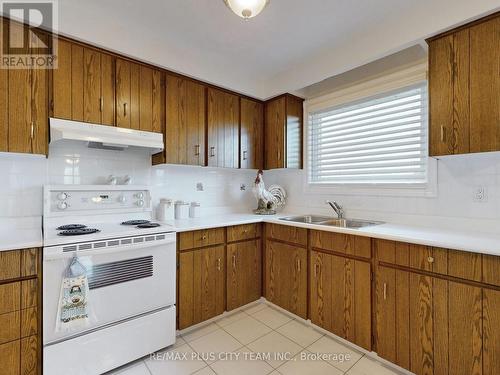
[{"x": 73, "y": 312}]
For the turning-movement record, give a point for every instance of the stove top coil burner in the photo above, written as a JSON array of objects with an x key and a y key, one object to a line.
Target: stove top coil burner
[
  {"x": 136, "y": 222},
  {"x": 78, "y": 232},
  {"x": 71, "y": 226},
  {"x": 148, "y": 225}
]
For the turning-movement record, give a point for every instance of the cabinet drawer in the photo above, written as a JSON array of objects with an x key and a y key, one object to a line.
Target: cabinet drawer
[
  {"x": 243, "y": 232},
  {"x": 287, "y": 233},
  {"x": 341, "y": 243},
  {"x": 18, "y": 324},
  {"x": 20, "y": 357},
  {"x": 18, "y": 263},
  {"x": 201, "y": 238},
  {"x": 491, "y": 269}
]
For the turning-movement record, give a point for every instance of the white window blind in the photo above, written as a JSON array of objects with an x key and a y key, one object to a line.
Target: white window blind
[{"x": 381, "y": 139}]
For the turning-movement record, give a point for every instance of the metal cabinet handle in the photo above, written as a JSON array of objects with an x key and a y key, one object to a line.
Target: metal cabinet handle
[
  {"x": 298, "y": 265},
  {"x": 244, "y": 155},
  {"x": 32, "y": 130},
  {"x": 430, "y": 259},
  {"x": 101, "y": 103},
  {"x": 218, "y": 264},
  {"x": 204, "y": 237},
  {"x": 279, "y": 155},
  {"x": 234, "y": 261},
  {"x": 443, "y": 133},
  {"x": 385, "y": 291},
  {"x": 316, "y": 270},
  {"x": 197, "y": 150},
  {"x": 212, "y": 151},
  {"x": 124, "y": 109}
]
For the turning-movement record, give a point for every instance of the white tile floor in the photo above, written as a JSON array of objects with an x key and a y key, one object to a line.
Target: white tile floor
[{"x": 244, "y": 343}]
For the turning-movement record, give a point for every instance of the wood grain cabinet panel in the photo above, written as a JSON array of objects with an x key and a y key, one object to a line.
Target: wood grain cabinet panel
[
  {"x": 243, "y": 232},
  {"x": 283, "y": 126},
  {"x": 464, "y": 82},
  {"x": 252, "y": 134},
  {"x": 24, "y": 98},
  {"x": 223, "y": 129},
  {"x": 201, "y": 238},
  {"x": 491, "y": 331},
  {"x": 286, "y": 277},
  {"x": 10, "y": 358},
  {"x": 244, "y": 273},
  {"x": 428, "y": 325},
  {"x": 186, "y": 123},
  {"x": 201, "y": 293},
  {"x": 287, "y": 233},
  {"x": 341, "y": 243},
  {"x": 340, "y": 296},
  {"x": 491, "y": 269}
]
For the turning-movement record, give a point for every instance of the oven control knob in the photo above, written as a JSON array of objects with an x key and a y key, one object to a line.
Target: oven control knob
[
  {"x": 62, "y": 196},
  {"x": 140, "y": 203},
  {"x": 122, "y": 199},
  {"x": 140, "y": 196},
  {"x": 62, "y": 205}
]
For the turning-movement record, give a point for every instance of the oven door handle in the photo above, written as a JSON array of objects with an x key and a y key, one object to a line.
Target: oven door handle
[{"x": 50, "y": 254}]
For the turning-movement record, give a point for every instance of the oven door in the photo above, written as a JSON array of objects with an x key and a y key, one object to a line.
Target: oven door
[{"x": 127, "y": 277}]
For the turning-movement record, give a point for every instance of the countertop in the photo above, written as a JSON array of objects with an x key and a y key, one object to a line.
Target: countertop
[
  {"x": 478, "y": 242},
  {"x": 20, "y": 233}
]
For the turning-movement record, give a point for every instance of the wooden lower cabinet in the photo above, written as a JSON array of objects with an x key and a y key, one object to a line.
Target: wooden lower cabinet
[
  {"x": 244, "y": 273},
  {"x": 429, "y": 325},
  {"x": 286, "y": 276},
  {"x": 201, "y": 293},
  {"x": 340, "y": 296}
]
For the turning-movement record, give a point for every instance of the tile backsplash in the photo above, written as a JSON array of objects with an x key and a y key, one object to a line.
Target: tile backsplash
[{"x": 220, "y": 190}]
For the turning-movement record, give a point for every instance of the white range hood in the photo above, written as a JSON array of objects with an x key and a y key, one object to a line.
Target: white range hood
[{"x": 104, "y": 137}]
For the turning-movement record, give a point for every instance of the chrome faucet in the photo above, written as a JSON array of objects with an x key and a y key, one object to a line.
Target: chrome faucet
[{"x": 337, "y": 208}]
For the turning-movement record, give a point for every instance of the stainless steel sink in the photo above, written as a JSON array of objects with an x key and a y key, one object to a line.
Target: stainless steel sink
[{"x": 329, "y": 221}]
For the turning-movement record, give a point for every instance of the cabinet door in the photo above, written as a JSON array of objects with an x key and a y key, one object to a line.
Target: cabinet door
[
  {"x": 40, "y": 105},
  {"x": 223, "y": 125},
  {"x": 428, "y": 325},
  {"x": 201, "y": 293},
  {"x": 91, "y": 86},
  {"x": 123, "y": 97},
  {"x": 244, "y": 267},
  {"x": 320, "y": 300},
  {"x": 185, "y": 126},
  {"x": 275, "y": 123},
  {"x": 286, "y": 277},
  {"x": 485, "y": 86},
  {"x": 252, "y": 121},
  {"x": 491, "y": 334},
  {"x": 293, "y": 150}
]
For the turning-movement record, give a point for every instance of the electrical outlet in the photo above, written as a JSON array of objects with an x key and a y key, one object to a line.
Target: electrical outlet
[
  {"x": 480, "y": 194},
  {"x": 199, "y": 186},
  {"x": 243, "y": 187}
]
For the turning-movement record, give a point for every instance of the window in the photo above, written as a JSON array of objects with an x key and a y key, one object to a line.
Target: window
[{"x": 381, "y": 139}]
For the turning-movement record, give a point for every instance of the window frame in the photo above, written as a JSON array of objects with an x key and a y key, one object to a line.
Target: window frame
[{"x": 375, "y": 87}]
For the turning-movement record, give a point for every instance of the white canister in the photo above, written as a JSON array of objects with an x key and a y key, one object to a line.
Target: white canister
[
  {"x": 166, "y": 210},
  {"x": 194, "y": 210},
  {"x": 181, "y": 210}
]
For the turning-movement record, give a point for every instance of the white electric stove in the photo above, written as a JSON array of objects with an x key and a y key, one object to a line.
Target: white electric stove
[{"x": 130, "y": 263}]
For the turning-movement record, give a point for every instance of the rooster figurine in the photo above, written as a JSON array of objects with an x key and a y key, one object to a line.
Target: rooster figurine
[{"x": 268, "y": 199}]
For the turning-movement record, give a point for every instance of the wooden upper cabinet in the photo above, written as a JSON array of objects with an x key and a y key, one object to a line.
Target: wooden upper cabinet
[
  {"x": 223, "y": 129},
  {"x": 24, "y": 99},
  {"x": 283, "y": 132},
  {"x": 185, "y": 125},
  {"x": 464, "y": 86},
  {"x": 252, "y": 134},
  {"x": 139, "y": 97},
  {"x": 83, "y": 85}
]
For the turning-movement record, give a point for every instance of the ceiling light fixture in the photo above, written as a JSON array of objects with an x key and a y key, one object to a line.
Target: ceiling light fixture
[{"x": 246, "y": 8}]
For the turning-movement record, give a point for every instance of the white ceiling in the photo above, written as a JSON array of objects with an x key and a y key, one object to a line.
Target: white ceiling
[{"x": 292, "y": 44}]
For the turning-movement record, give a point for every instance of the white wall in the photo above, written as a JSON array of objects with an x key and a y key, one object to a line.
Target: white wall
[{"x": 453, "y": 205}]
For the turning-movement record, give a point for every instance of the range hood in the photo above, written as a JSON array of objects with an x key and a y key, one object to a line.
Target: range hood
[{"x": 104, "y": 137}]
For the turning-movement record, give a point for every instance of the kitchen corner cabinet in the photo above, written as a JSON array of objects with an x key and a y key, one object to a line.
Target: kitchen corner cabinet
[
  {"x": 139, "y": 97},
  {"x": 83, "y": 85},
  {"x": 244, "y": 265},
  {"x": 285, "y": 269},
  {"x": 23, "y": 101},
  {"x": 340, "y": 286},
  {"x": 20, "y": 312},
  {"x": 283, "y": 127},
  {"x": 186, "y": 122},
  {"x": 464, "y": 87},
  {"x": 223, "y": 129},
  {"x": 251, "y": 134}
]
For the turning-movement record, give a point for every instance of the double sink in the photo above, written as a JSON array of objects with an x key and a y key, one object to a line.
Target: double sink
[{"x": 332, "y": 222}]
